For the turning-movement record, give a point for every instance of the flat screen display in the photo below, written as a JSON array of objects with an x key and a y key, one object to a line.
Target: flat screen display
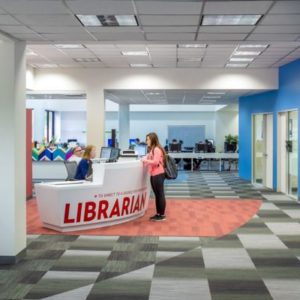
[
  {"x": 105, "y": 152},
  {"x": 140, "y": 150}
]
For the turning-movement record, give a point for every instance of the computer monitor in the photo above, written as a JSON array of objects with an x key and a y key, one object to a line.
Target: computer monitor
[
  {"x": 200, "y": 147},
  {"x": 114, "y": 154},
  {"x": 132, "y": 141},
  {"x": 141, "y": 150},
  {"x": 105, "y": 152},
  {"x": 175, "y": 147}
]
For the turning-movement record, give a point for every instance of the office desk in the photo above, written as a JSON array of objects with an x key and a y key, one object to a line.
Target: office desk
[
  {"x": 208, "y": 155},
  {"x": 119, "y": 193}
]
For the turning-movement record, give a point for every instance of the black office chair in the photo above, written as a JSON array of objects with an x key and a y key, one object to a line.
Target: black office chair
[{"x": 71, "y": 167}]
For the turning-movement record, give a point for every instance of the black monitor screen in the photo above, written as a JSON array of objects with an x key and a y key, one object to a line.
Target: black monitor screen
[
  {"x": 105, "y": 152},
  {"x": 114, "y": 154},
  {"x": 141, "y": 150},
  {"x": 200, "y": 147},
  {"x": 175, "y": 147}
]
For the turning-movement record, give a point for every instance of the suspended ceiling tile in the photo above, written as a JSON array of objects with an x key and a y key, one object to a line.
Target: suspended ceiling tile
[
  {"x": 119, "y": 36},
  {"x": 167, "y": 7},
  {"x": 15, "y": 29},
  {"x": 178, "y": 29},
  {"x": 33, "y": 6},
  {"x": 49, "y": 19},
  {"x": 283, "y": 19},
  {"x": 166, "y": 20},
  {"x": 226, "y": 29},
  {"x": 8, "y": 20},
  {"x": 221, "y": 37},
  {"x": 28, "y": 36},
  {"x": 101, "y": 7},
  {"x": 58, "y": 29},
  {"x": 67, "y": 37},
  {"x": 285, "y": 7},
  {"x": 278, "y": 29},
  {"x": 272, "y": 37},
  {"x": 170, "y": 36},
  {"x": 236, "y": 7}
]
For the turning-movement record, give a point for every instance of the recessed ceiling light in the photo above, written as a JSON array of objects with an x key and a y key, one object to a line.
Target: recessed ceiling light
[
  {"x": 229, "y": 65},
  {"x": 69, "y": 46},
  {"x": 208, "y": 101},
  {"x": 153, "y": 93},
  {"x": 247, "y": 53},
  {"x": 253, "y": 46},
  {"x": 87, "y": 59},
  {"x": 211, "y": 97},
  {"x": 217, "y": 20},
  {"x": 140, "y": 65},
  {"x": 191, "y": 45},
  {"x": 134, "y": 53},
  {"x": 89, "y": 20},
  {"x": 243, "y": 59},
  {"x": 216, "y": 93},
  {"x": 108, "y": 20},
  {"x": 127, "y": 20},
  {"x": 187, "y": 59}
]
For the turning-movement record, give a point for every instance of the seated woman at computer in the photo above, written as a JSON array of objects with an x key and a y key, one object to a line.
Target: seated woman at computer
[
  {"x": 155, "y": 161},
  {"x": 84, "y": 169}
]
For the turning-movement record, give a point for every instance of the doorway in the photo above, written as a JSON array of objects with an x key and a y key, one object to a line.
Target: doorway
[
  {"x": 262, "y": 151},
  {"x": 288, "y": 153}
]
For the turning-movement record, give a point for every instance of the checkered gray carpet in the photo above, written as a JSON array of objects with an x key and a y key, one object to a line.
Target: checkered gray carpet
[{"x": 260, "y": 260}]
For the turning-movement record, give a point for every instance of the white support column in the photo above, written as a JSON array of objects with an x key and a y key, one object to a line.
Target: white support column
[
  {"x": 12, "y": 154},
  {"x": 124, "y": 126},
  {"x": 39, "y": 123},
  {"x": 95, "y": 116}
]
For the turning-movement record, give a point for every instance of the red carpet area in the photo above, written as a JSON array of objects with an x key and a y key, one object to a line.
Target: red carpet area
[{"x": 185, "y": 217}]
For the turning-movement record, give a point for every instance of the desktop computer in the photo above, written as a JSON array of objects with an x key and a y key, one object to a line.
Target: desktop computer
[{"x": 175, "y": 147}]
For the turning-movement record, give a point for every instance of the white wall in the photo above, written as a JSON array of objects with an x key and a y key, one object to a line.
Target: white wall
[
  {"x": 142, "y": 123},
  {"x": 73, "y": 126},
  {"x": 226, "y": 123}
]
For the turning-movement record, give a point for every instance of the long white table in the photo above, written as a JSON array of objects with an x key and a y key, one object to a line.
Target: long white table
[
  {"x": 208, "y": 155},
  {"x": 119, "y": 193}
]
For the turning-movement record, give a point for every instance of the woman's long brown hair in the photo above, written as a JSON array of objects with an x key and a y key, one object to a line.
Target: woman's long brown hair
[
  {"x": 87, "y": 152},
  {"x": 155, "y": 143}
]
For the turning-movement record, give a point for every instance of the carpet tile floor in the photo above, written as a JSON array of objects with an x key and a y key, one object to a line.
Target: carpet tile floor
[{"x": 259, "y": 260}]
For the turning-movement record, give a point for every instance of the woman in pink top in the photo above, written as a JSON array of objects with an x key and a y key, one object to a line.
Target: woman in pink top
[{"x": 155, "y": 161}]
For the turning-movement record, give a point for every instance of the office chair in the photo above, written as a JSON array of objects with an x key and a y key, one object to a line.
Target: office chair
[{"x": 71, "y": 167}]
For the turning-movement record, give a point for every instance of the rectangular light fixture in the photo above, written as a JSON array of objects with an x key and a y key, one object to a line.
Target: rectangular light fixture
[
  {"x": 108, "y": 20},
  {"x": 135, "y": 53},
  {"x": 69, "y": 46},
  {"x": 30, "y": 52},
  {"x": 253, "y": 46},
  {"x": 45, "y": 66},
  {"x": 140, "y": 65},
  {"x": 241, "y": 59},
  {"x": 246, "y": 53},
  {"x": 223, "y": 20},
  {"x": 230, "y": 65},
  {"x": 216, "y": 93},
  {"x": 189, "y": 59},
  {"x": 211, "y": 97},
  {"x": 191, "y": 45},
  {"x": 87, "y": 59},
  {"x": 89, "y": 20}
]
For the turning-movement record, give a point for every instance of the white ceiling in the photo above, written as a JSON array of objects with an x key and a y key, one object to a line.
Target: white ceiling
[
  {"x": 176, "y": 97},
  {"x": 162, "y": 25}
]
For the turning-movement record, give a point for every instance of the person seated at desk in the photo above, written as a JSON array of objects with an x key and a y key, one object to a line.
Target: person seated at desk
[
  {"x": 84, "y": 169},
  {"x": 77, "y": 155}
]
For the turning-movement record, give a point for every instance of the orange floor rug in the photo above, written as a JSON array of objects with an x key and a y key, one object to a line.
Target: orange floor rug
[{"x": 185, "y": 217}]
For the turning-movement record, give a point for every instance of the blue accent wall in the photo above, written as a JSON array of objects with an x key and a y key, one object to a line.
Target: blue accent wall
[{"x": 287, "y": 97}]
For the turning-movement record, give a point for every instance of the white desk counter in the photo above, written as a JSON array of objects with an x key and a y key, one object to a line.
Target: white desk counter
[{"x": 119, "y": 193}]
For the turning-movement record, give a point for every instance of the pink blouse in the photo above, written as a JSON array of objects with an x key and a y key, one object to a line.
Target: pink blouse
[{"x": 154, "y": 161}]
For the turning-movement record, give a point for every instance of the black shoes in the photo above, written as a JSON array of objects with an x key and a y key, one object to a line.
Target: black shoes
[{"x": 158, "y": 217}]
